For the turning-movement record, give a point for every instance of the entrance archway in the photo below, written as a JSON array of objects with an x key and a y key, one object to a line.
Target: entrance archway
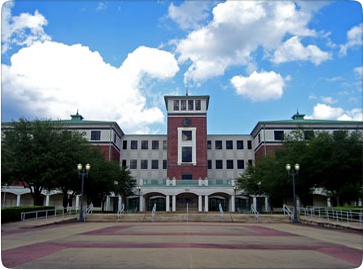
[
  {"x": 185, "y": 200},
  {"x": 218, "y": 198},
  {"x": 155, "y": 198}
]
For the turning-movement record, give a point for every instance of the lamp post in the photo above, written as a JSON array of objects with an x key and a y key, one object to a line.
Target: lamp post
[
  {"x": 259, "y": 197},
  {"x": 293, "y": 172},
  {"x": 82, "y": 172}
]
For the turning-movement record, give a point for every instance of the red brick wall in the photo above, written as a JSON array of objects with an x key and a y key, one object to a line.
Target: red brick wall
[
  {"x": 115, "y": 154},
  {"x": 200, "y": 169}
]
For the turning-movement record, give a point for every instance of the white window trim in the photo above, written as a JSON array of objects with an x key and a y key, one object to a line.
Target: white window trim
[{"x": 192, "y": 143}]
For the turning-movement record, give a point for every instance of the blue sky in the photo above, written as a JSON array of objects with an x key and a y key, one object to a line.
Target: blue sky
[{"x": 115, "y": 60}]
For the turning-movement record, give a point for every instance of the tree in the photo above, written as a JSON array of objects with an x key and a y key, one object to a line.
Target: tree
[{"x": 125, "y": 183}]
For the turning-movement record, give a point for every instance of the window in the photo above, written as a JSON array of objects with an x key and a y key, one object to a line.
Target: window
[
  {"x": 187, "y": 154},
  {"x": 239, "y": 144},
  {"x": 165, "y": 144},
  {"x": 187, "y": 135},
  {"x": 209, "y": 164},
  {"x": 240, "y": 164},
  {"x": 133, "y": 164},
  {"x": 187, "y": 176},
  {"x": 308, "y": 134},
  {"x": 176, "y": 105},
  {"x": 229, "y": 144},
  {"x": 144, "y": 144},
  {"x": 250, "y": 162},
  {"x": 218, "y": 144},
  {"x": 155, "y": 145},
  {"x": 124, "y": 145},
  {"x": 95, "y": 135},
  {"x": 278, "y": 135},
  {"x": 114, "y": 138},
  {"x": 123, "y": 163},
  {"x": 209, "y": 145},
  {"x": 155, "y": 164},
  {"x": 198, "y": 105},
  {"x": 165, "y": 164},
  {"x": 190, "y": 105},
  {"x": 219, "y": 164},
  {"x": 144, "y": 164},
  {"x": 133, "y": 144},
  {"x": 249, "y": 144},
  {"x": 229, "y": 164},
  {"x": 183, "y": 104},
  {"x": 259, "y": 137}
]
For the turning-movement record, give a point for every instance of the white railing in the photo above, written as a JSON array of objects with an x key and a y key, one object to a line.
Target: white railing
[
  {"x": 254, "y": 211},
  {"x": 221, "y": 212},
  {"x": 40, "y": 214},
  {"x": 333, "y": 215},
  {"x": 88, "y": 210},
  {"x": 120, "y": 211},
  {"x": 153, "y": 213},
  {"x": 288, "y": 211}
]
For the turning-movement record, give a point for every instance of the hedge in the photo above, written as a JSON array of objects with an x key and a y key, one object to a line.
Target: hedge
[{"x": 12, "y": 214}]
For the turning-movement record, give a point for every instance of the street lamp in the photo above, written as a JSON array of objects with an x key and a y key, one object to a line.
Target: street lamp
[
  {"x": 293, "y": 172},
  {"x": 82, "y": 172},
  {"x": 259, "y": 197},
  {"x": 235, "y": 198}
]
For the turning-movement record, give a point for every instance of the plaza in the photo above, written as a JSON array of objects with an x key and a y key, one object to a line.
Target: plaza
[{"x": 178, "y": 245}]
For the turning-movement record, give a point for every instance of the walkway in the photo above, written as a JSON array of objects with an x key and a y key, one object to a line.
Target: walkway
[{"x": 179, "y": 245}]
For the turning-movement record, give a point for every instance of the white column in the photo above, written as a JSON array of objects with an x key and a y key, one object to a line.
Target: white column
[
  {"x": 18, "y": 200},
  {"x": 233, "y": 204},
  {"x": 141, "y": 204},
  {"x": 266, "y": 205},
  {"x": 47, "y": 200},
  {"x": 173, "y": 207},
  {"x": 107, "y": 203},
  {"x": 200, "y": 203},
  {"x": 167, "y": 202},
  {"x": 77, "y": 201},
  {"x": 206, "y": 206}
]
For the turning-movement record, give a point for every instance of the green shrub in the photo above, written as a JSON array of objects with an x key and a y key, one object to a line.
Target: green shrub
[{"x": 12, "y": 214}]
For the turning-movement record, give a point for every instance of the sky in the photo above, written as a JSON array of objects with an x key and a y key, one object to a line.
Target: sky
[{"x": 116, "y": 60}]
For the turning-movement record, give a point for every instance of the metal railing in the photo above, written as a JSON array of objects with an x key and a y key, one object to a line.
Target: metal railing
[
  {"x": 47, "y": 213},
  {"x": 288, "y": 211},
  {"x": 221, "y": 212},
  {"x": 153, "y": 213},
  {"x": 254, "y": 211},
  {"x": 120, "y": 211},
  {"x": 186, "y": 183},
  {"x": 88, "y": 210},
  {"x": 328, "y": 214}
]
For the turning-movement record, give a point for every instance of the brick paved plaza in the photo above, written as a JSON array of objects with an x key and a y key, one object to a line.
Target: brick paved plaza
[{"x": 179, "y": 245}]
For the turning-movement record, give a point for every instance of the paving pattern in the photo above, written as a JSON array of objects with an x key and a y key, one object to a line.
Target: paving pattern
[{"x": 180, "y": 246}]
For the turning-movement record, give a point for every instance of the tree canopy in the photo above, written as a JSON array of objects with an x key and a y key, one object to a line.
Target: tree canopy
[
  {"x": 331, "y": 161},
  {"x": 42, "y": 155}
]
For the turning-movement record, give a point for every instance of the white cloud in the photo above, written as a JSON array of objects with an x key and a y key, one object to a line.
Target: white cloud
[
  {"x": 189, "y": 14},
  {"x": 326, "y": 112},
  {"x": 329, "y": 100},
  {"x": 238, "y": 28},
  {"x": 293, "y": 50},
  {"x": 259, "y": 86},
  {"x": 359, "y": 71},
  {"x": 21, "y": 30},
  {"x": 354, "y": 39},
  {"x": 52, "y": 79}
]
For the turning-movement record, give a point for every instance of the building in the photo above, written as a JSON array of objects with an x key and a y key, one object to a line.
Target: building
[{"x": 187, "y": 169}]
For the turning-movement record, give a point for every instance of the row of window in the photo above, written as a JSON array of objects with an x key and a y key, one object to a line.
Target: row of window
[
  {"x": 187, "y": 105},
  {"x": 218, "y": 164},
  {"x": 218, "y": 144},
  {"x": 96, "y": 135}
]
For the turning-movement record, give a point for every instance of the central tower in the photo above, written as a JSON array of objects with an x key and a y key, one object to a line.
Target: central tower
[{"x": 187, "y": 136}]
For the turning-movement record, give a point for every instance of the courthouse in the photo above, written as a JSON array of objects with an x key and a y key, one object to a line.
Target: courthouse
[{"x": 187, "y": 168}]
